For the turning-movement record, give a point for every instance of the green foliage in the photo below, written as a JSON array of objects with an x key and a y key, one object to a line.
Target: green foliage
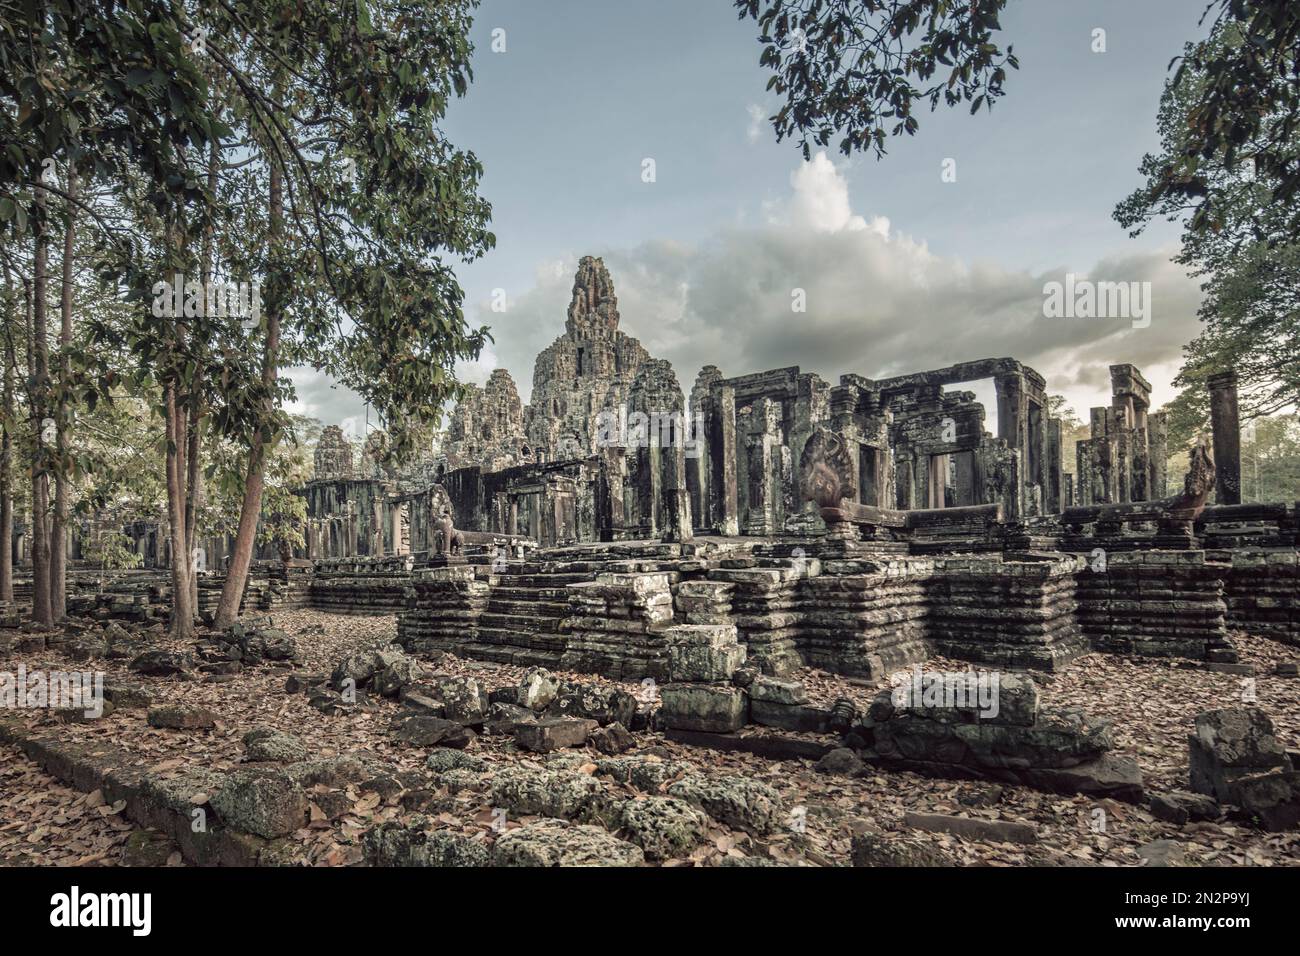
[
  {"x": 284, "y": 516},
  {"x": 1073, "y": 430},
  {"x": 1240, "y": 111},
  {"x": 110, "y": 551},
  {"x": 1240, "y": 206},
  {"x": 858, "y": 68}
]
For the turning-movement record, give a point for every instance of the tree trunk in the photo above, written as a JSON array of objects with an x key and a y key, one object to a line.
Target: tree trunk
[
  {"x": 40, "y": 362},
  {"x": 241, "y": 557},
  {"x": 63, "y": 471},
  {"x": 182, "y": 622},
  {"x": 194, "y": 500},
  {"x": 6, "y": 453}
]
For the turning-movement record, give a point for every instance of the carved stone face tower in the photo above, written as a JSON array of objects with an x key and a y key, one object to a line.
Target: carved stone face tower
[
  {"x": 588, "y": 369},
  {"x": 594, "y": 307},
  {"x": 333, "y": 454}
]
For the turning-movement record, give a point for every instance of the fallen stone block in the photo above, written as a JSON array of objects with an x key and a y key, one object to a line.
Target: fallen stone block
[
  {"x": 553, "y": 733},
  {"x": 1179, "y": 806},
  {"x": 876, "y": 848},
  {"x": 127, "y": 696},
  {"x": 707, "y": 707},
  {"x": 1162, "y": 853},
  {"x": 612, "y": 740},
  {"x": 564, "y": 794},
  {"x": 537, "y": 689},
  {"x": 773, "y": 690},
  {"x": 972, "y": 828},
  {"x": 1272, "y": 797},
  {"x": 663, "y": 827},
  {"x": 419, "y": 730},
  {"x": 1230, "y": 743},
  {"x": 842, "y": 762},
  {"x": 161, "y": 664},
  {"x": 265, "y": 802},
  {"x": 265, "y": 744},
  {"x": 413, "y": 844},
  {"x": 735, "y": 801},
  {"x": 178, "y": 717}
]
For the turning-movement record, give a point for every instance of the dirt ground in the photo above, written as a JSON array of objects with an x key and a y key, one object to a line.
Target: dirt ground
[{"x": 1151, "y": 704}]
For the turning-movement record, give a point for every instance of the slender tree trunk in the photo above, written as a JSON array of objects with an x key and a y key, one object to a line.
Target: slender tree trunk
[
  {"x": 41, "y": 611},
  {"x": 6, "y": 454},
  {"x": 63, "y": 472},
  {"x": 241, "y": 556},
  {"x": 195, "y": 477},
  {"x": 182, "y": 623}
]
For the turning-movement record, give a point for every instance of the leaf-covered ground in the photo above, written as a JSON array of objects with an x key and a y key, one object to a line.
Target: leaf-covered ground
[{"x": 1151, "y": 703}]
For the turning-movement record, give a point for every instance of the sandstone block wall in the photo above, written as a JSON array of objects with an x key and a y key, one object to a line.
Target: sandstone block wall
[
  {"x": 1262, "y": 593},
  {"x": 1019, "y": 614},
  {"x": 1155, "y": 603}
]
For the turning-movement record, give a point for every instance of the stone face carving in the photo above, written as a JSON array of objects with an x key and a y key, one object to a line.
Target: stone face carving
[
  {"x": 587, "y": 370},
  {"x": 487, "y": 427},
  {"x": 826, "y": 470},
  {"x": 333, "y": 457}
]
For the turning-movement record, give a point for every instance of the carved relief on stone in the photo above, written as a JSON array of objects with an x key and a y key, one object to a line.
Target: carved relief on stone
[
  {"x": 333, "y": 456},
  {"x": 826, "y": 470}
]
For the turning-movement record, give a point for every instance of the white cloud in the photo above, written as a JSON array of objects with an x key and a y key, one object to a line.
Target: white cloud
[
  {"x": 757, "y": 116},
  {"x": 820, "y": 202},
  {"x": 879, "y": 303}
]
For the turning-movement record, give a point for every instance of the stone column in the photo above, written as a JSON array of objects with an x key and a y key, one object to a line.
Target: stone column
[
  {"x": 722, "y": 447},
  {"x": 1226, "y": 422}
]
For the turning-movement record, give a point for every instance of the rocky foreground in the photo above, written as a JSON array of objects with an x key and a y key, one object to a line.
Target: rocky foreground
[{"x": 316, "y": 743}]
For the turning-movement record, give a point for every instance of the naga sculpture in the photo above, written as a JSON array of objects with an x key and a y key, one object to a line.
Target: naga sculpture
[
  {"x": 826, "y": 470},
  {"x": 1180, "y": 514}
]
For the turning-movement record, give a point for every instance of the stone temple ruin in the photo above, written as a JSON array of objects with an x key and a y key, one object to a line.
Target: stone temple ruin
[
  {"x": 714, "y": 546},
  {"x": 856, "y": 527}
]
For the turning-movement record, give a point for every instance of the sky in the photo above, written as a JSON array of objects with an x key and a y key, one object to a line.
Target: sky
[{"x": 900, "y": 270}]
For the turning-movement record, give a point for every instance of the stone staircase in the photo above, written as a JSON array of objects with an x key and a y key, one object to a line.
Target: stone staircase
[{"x": 523, "y": 622}]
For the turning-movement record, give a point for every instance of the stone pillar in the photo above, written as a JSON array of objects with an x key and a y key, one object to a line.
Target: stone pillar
[
  {"x": 1224, "y": 418},
  {"x": 1053, "y": 493},
  {"x": 1013, "y": 423},
  {"x": 722, "y": 448}
]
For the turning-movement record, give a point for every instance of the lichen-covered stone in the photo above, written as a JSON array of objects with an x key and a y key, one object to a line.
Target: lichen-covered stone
[
  {"x": 537, "y": 689},
  {"x": 441, "y": 761},
  {"x": 265, "y": 802},
  {"x": 874, "y": 848},
  {"x": 557, "y": 843},
  {"x": 646, "y": 773},
  {"x": 566, "y": 794},
  {"x": 706, "y": 707},
  {"x": 735, "y": 801},
  {"x": 413, "y": 844},
  {"x": 664, "y": 827},
  {"x": 266, "y": 744}
]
